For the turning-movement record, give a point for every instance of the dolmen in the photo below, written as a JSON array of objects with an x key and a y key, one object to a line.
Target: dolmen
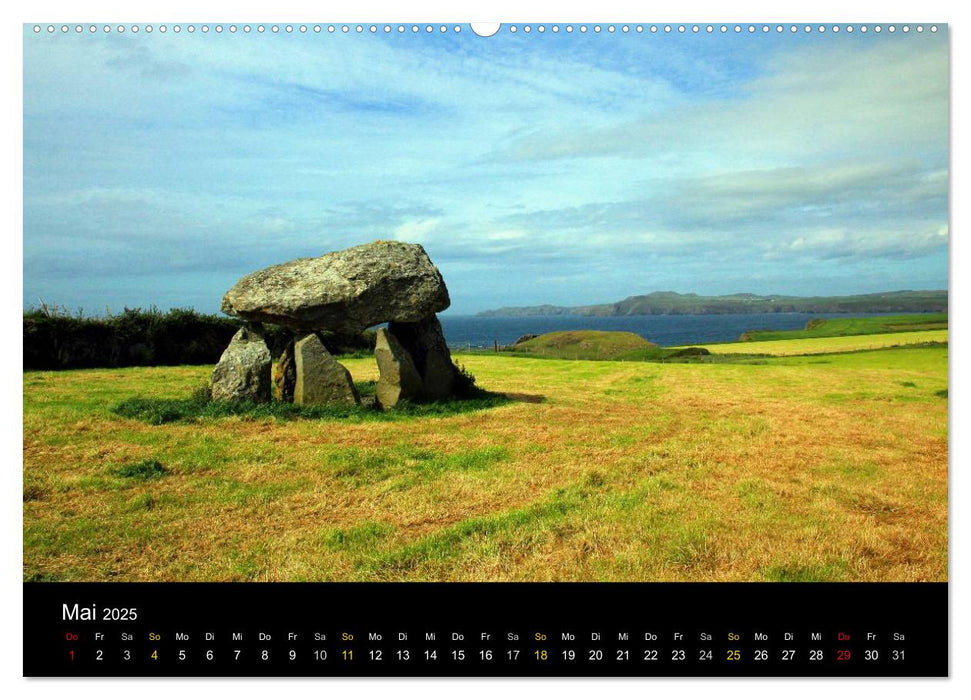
[{"x": 347, "y": 291}]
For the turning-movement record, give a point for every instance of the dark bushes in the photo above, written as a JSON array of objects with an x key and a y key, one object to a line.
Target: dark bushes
[{"x": 54, "y": 339}]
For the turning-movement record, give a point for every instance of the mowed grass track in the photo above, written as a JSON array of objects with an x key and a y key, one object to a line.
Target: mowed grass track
[
  {"x": 799, "y": 468},
  {"x": 811, "y": 346}
]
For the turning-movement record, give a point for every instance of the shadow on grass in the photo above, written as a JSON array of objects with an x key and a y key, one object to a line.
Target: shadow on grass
[
  {"x": 161, "y": 411},
  {"x": 525, "y": 398}
]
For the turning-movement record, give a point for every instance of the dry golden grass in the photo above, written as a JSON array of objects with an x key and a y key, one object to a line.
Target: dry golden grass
[
  {"x": 821, "y": 468},
  {"x": 815, "y": 346}
]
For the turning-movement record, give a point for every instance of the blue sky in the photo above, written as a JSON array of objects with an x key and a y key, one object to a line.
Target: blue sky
[{"x": 555, "y": 168}]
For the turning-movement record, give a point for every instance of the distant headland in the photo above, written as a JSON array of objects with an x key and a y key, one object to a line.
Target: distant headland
[{"x": 662, "y": 303}]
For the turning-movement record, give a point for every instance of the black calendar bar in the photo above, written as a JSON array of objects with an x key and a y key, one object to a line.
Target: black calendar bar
[{"x": 473, "y": 629}]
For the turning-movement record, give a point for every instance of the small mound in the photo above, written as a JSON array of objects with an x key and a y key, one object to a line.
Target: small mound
[
  {"x": 689, "y": 352},
  {"x": 584, "y": 345}
]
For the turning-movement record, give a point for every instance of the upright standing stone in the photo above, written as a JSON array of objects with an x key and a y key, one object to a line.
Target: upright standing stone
[
  {"x": 399, "y": 378},
  {"x": 243, "y": 372},
  {"x": 285, "y": 378},
  {"x": 425, "y": 342},
  {"x": 320, "y": 378}
]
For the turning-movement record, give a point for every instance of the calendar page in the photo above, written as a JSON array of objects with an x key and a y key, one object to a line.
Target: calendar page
[{"x": 448, "y": 349}]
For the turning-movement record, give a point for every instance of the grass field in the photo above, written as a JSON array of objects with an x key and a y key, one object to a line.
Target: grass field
[
  {"x": 827, "y": 467},
  {"x": 828, "y": 327},
  {"x": 826, "y": 344}
]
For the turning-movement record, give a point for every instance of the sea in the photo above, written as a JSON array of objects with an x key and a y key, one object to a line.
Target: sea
[{"x": 485, "y": 331}]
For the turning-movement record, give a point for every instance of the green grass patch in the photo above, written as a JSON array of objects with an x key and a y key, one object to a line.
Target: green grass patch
[
  {"x": 143, "y": 501},
  {"x": 650, "y": 354},
  {"x": 406, "y": 466},
  {"x": 832, "y": 327},
  {"x": 366, "y": 389},
  {"x": 448, "y": 542},
  {"x": 756, "y": 495},
  {"x": 146, "y": 470},
  {"x": 254, "y": 493},
  {"x": 690, "y": 547},
  {"x": 843, "y": 468}
]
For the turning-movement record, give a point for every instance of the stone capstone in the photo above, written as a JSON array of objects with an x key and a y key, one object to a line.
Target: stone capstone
[
  {"x": 425, "y": 343},
  {"x": 346, "y": 291},
  {"x": 243, "y": 371},
  {"x": 399, "y": 379},
  {"x": 320, "y": 379}
]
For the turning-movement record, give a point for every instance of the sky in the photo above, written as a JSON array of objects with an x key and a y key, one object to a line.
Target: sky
[{"x": 554, "y": 168}]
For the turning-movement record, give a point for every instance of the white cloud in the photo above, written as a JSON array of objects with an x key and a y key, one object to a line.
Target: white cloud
[
  {"x": 506, "y": 235},
  {"x": 895, "y": 242},
  {"x": 416, "y": 231},
  {"x": 156, "y": 155},
  {"x": 844, "y": 96}
]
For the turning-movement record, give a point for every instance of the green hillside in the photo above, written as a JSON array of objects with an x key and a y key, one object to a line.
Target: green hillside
[
  {"x": 584, "y": 345},
  {"x": 661, "y": 303},
  {"x": 833, "y": 327}
]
